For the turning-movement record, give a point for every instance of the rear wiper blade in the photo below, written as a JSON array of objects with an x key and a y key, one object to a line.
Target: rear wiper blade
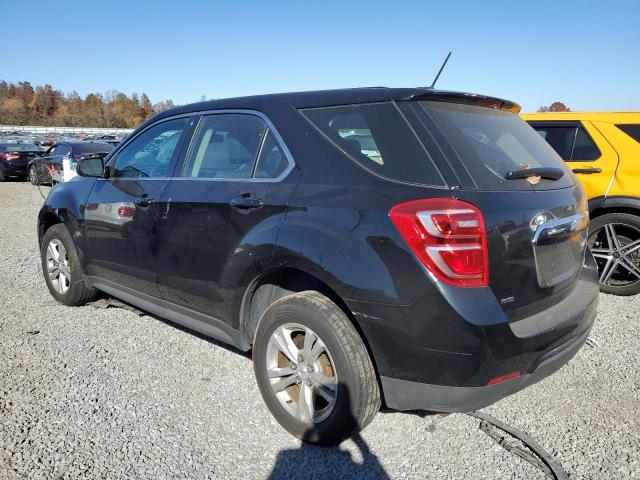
[{"x": 552, "y": 173}]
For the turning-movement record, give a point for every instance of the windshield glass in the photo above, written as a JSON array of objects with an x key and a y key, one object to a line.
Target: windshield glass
[{"x": 490, "y": 143}]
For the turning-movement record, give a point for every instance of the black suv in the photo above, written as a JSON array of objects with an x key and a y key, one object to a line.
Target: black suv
[{"x": 418, "y": 248}]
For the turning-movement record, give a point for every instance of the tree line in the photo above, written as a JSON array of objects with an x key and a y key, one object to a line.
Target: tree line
[
  {"x": 22, "y": 104},
  {"x": 555, "y": 107}
]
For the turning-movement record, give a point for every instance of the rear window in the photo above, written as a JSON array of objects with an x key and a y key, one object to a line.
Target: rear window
[
  {"x": 20, "y": 147},
  {"x": 633, "y": 130},
  {"x": 490, "y": 143},
  {"x": 377, "y": 137},
  {"x": 91, "y": 147}
]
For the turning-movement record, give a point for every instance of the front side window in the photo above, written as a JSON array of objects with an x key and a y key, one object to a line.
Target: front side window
[
  {"x": 62, "y": 150},
  {"x": 225, "y": 146},
  {"x": 149, "y": 154},
  {"x": 377, "y": 137}
]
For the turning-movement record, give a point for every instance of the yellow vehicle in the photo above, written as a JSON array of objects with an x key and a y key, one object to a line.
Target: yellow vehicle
[{"x": 603, "y": 149}]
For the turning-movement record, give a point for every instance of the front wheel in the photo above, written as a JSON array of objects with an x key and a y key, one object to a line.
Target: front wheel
[
  {"x": 313, "y": 369},
  {"x": 33, "y": 176},
  {"x": 61, "y": 267},
  {"x": 614, "y": 239}
]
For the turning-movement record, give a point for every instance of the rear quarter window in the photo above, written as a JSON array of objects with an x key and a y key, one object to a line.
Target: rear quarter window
[
  {"x": 377, "y": 137},
  {"x": 633, "y": 130}
]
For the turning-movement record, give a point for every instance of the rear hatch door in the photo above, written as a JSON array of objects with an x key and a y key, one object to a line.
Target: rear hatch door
[{"x": 536, "y": 224}]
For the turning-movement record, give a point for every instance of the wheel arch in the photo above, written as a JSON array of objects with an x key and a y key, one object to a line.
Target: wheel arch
[
  {"x": 46, "y": 220},
  {"x": 614, "y": 204},
  {"x": 279, "y": 282}
]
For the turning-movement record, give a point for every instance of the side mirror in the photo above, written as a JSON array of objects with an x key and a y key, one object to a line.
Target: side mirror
[{"x": 91, "y": 167}]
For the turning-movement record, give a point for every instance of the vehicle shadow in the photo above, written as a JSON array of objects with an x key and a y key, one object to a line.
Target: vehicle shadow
[{"x": 319, "y": 462}]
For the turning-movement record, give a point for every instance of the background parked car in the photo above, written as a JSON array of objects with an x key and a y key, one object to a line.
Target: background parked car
[
  {"x": 59, "y": 162},
  {"x": 603, "y": 149},
  {"x": 14, "y": 158}
]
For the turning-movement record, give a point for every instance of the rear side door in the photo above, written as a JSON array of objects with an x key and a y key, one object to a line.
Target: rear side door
[
  {"x": 122, "y": 211},
  {"x": 221, "y": 213},
  {"x": 587, "y": 152}
]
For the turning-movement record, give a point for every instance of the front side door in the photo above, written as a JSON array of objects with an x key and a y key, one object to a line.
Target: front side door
[
  {"x": 55, "y": 165},
  {"x": 588, "y": 153},
  {"x": 121, "y": 212},
  {"x": 222, "y": 213}
]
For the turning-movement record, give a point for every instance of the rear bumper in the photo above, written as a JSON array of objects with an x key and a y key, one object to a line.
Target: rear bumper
[
  {"x": 442, "y": 352},
  {"x": 406, "y": 395},
  {"x": 12, "y": 170}
]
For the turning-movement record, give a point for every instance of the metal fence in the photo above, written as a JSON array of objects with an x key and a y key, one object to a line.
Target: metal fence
[{"x": 63, "y": 130}]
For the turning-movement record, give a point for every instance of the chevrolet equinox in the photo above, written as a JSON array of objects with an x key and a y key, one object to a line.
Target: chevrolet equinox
[{"x": 416, "y": 248}]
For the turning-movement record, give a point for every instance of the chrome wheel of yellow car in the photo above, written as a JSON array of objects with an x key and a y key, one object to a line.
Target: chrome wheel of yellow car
[{"x": 615, "y": 242}]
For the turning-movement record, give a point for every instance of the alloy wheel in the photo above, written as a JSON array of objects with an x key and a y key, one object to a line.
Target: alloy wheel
[
  {"x": 616, "y": 248},
  {"x": 302, "y": 373},
  {"x": 58, "y": 267},
  {"x": 33, "y": 178}
]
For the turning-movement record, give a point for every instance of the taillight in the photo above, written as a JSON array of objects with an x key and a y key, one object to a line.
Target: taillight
[
  {"x": 9, "y": 156},
  {"x": 126, "y": 212},
  {"x": 448, "y": 236}
]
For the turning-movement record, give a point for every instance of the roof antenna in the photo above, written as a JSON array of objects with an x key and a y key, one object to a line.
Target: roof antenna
[{"x": 440, "y": 71}]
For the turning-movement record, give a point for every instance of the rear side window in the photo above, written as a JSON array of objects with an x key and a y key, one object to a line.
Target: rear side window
[
  {"x": 633, "y": 130},
  {"x": 571, "y": 142},
  {"x": 490, "y": 143},
  {"x": 377, "y": 137},
  {"x": 225, "y": 146}
]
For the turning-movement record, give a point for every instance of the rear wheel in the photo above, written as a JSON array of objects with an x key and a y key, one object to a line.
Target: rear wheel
[
  {"x": 614, "y": 239},
  {"x": 33, "y": 176},
  {"x": 61, "y": 268},
  {"x": 313, "y": 370}
]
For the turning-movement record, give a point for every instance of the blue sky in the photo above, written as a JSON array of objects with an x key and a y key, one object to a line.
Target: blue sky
[{"x": 584, "y": 53}]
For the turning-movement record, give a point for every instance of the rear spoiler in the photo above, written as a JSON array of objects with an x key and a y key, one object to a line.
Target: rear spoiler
[{"x": 466, "y": 98}]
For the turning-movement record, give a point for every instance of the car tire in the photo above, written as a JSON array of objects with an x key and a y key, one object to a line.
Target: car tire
[
  {"x": 626, "y": 247},
  {"x": 34, "y": 178},
  {"x": 3, "y": 177},
  {"x": 61, "y": 268},
  {"x": 344, "y": 364}
]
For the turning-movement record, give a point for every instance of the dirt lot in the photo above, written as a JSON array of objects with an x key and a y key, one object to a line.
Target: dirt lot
[{"x": 91, "y": 393}]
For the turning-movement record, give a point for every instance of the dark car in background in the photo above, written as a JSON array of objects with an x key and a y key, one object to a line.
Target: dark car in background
[
  {"x": 15, "y": 158},
  {"x": 421, "y": 248},
  {"x": 59, "y": 162}
]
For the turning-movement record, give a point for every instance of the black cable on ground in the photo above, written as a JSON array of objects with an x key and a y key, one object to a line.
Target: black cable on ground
[{"x": 552, "y": 466}]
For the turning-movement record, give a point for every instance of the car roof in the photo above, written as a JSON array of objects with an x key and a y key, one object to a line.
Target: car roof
[
  {"x": 609, "y": 117},
  {"x": 345, "y": 96}
]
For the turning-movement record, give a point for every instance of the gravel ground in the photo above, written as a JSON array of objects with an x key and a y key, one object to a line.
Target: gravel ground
[{"x": 91, "y": 393}]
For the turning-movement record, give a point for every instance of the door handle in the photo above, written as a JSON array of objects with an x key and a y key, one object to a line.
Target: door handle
[
  {"x": 145, "y": 202},
  {"x": 245, "y": 204},
  {"x": 588, "y": 171}
]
